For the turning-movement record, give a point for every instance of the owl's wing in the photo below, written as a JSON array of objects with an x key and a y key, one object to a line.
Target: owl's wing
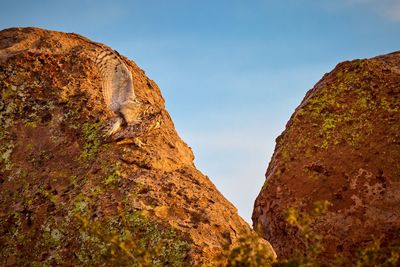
[{"x": 116, "y": 79}]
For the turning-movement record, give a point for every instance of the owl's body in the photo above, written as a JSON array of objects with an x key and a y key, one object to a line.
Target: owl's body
[{"x": 117, "y": 88}]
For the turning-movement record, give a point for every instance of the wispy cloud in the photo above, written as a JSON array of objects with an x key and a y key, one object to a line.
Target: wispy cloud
[
  {"x": 388, "y": 9},
  {"x": 393, "y": 11}
]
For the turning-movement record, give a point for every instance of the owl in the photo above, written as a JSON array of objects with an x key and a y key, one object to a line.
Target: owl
[{"x": 117, "y": 89}]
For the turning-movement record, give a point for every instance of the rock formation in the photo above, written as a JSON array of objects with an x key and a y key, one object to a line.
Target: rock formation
[
  {"x": 341, "y": 148},
  {"x": 69, "y": 195}
]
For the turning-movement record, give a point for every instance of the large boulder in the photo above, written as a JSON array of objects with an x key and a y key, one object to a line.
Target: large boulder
[
  {"x": 340, "y": 150},
  {"x": 68, "y": 195}
]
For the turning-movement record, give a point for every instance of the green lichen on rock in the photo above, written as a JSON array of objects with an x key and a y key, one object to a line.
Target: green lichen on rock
[
  {"x": 92, "y": 136},
  {"x": 341, "y": 108},
  {"x": 5, "y": 156},
  {"x": 113, "y": 177}
]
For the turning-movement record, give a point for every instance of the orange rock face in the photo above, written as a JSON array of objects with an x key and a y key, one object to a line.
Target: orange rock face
[
  {"x": 341, "y": 145},
  {"x": 69, "y": 196}
]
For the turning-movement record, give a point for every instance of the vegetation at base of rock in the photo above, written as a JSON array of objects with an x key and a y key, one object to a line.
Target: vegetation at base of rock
[
  {"x": 375, "y": 254},
  {"x": 311, "y": 240},
  {"x": 247, "y": 252},
  {"x": 131, "y": 239},
  {"x": 126, "y": 239}
]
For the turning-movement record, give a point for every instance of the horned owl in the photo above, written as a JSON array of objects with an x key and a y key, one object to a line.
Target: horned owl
[{"x": 117, "y": 88}]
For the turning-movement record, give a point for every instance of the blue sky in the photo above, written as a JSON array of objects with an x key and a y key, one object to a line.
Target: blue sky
[{"x": 231, "y": 71}]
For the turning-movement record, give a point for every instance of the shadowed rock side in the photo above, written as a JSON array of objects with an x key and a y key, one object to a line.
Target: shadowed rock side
[
  {"x": 70, "y": 197},
  {"x": 342, "y": 144}
]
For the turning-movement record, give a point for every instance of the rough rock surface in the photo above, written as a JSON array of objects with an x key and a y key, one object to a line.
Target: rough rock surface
[
  {"x": 342, "y": 144},
  {"x": 68, "y": 195}
]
